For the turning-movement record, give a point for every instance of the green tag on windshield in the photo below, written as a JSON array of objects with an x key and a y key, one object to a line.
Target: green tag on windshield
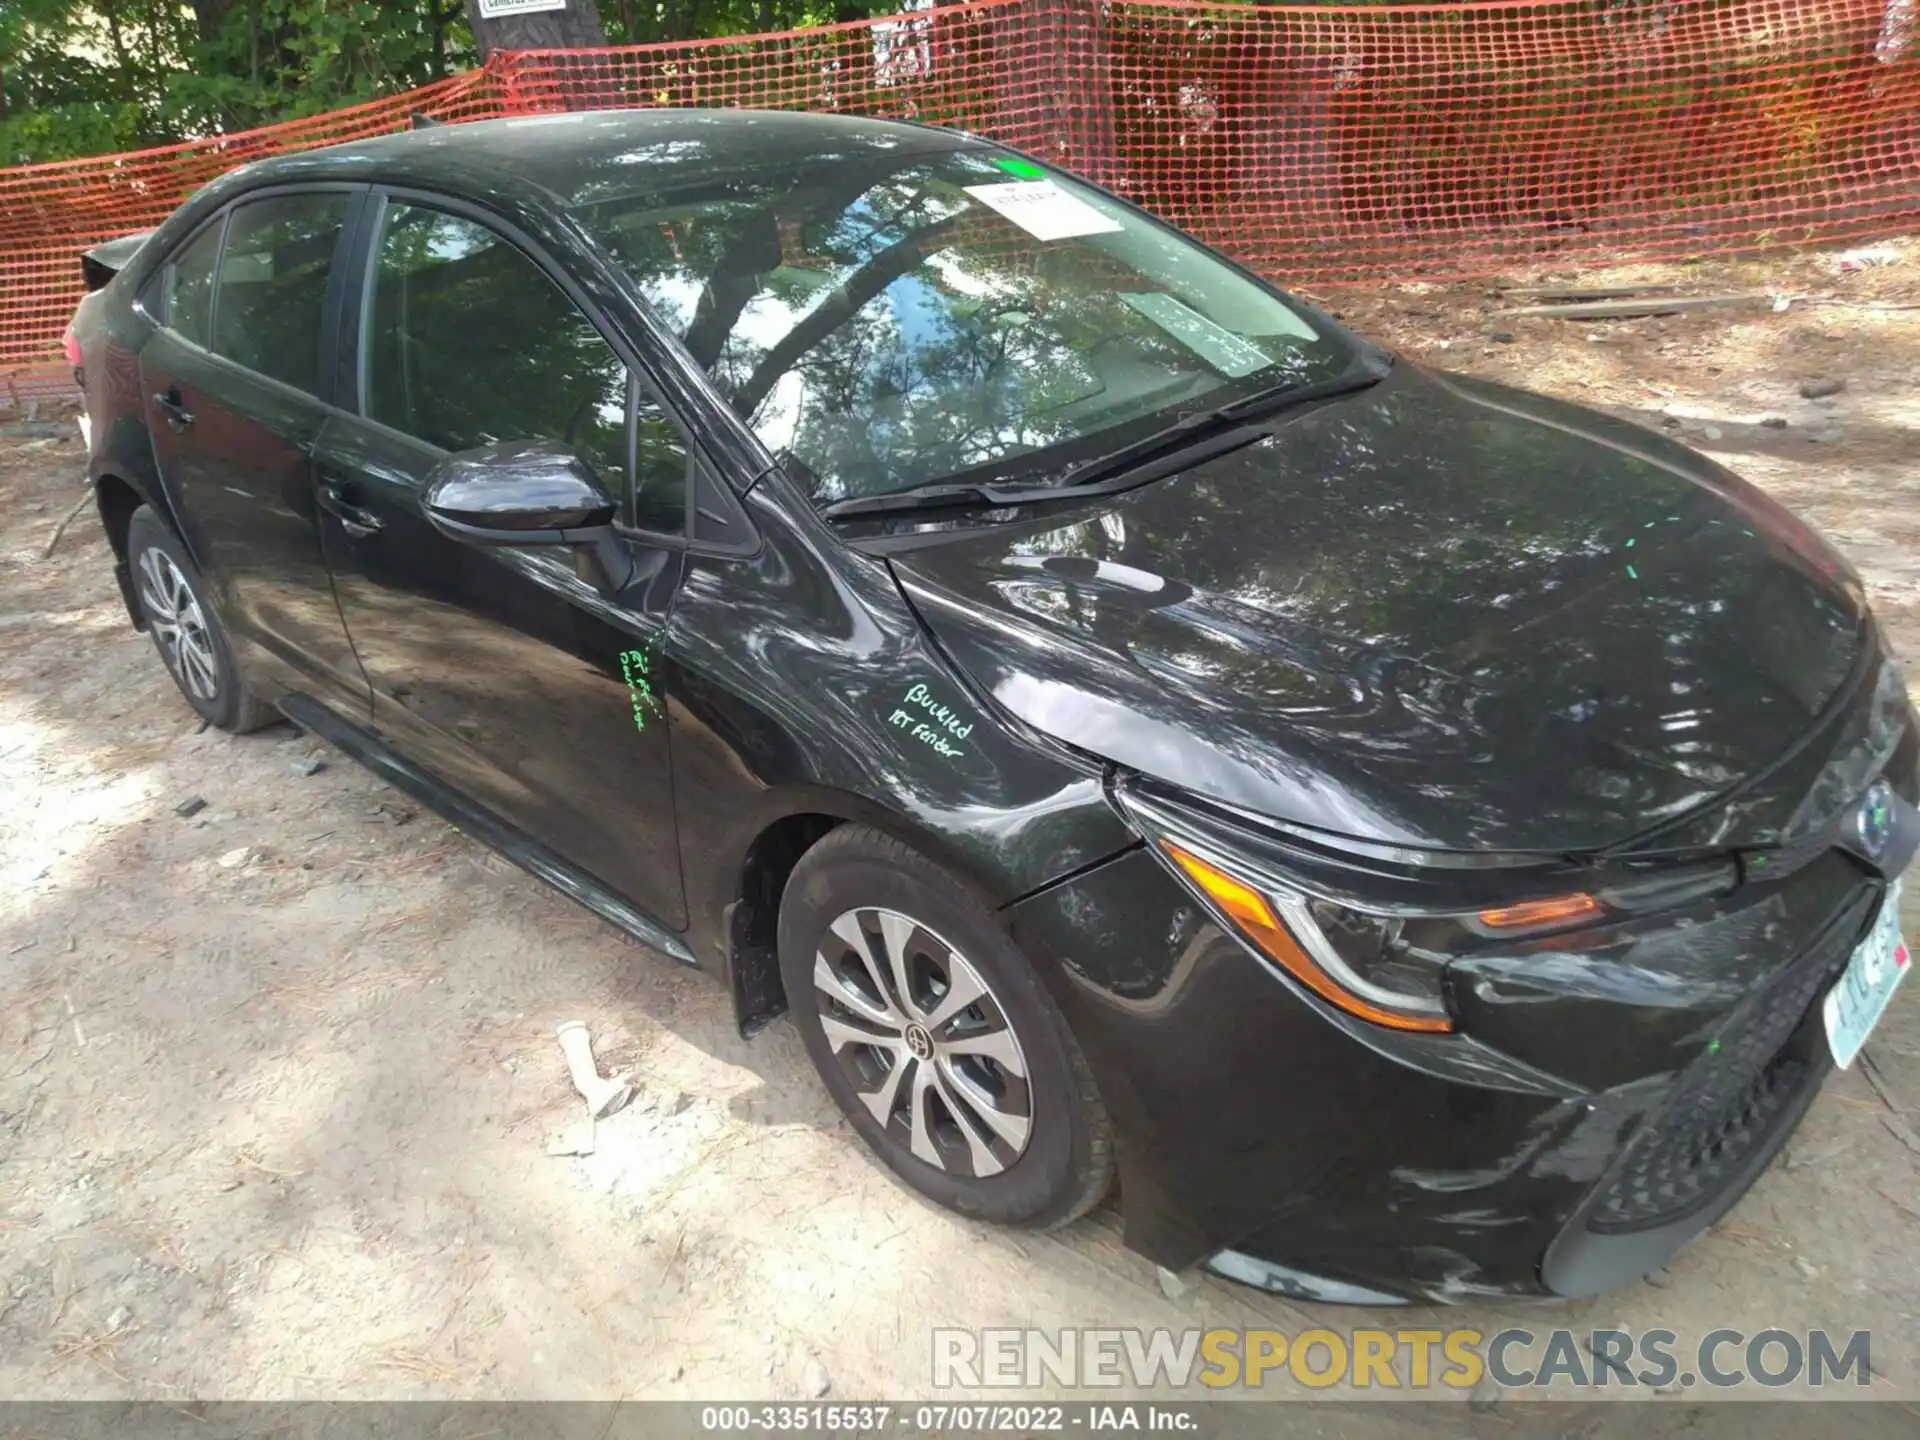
[{"x": 1025, "y": 169}]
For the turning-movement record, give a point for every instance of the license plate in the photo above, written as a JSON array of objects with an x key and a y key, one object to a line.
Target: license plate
[{"x": 1856, "y": 1001}]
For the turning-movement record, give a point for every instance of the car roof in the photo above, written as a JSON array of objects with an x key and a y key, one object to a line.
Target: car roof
[{"x": 584, "y": 156}]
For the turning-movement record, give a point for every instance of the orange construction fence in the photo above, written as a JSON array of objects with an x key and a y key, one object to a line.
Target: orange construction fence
[{"x": 1318, "y": 143}]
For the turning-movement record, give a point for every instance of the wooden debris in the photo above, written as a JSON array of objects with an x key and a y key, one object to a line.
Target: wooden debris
[
  {"x": 1870, "y": 1072},
  {"x": 1634, "y": 309},
  {"x": 1573, "y": 290},
  {"x": 1904, "y": 1206},
  {"x": 67, "y": 520},
  {"x": 1902, "y": 1132},
  {"x": 1896, "y": 1126},
  {"x": 1861, "y": 304}
]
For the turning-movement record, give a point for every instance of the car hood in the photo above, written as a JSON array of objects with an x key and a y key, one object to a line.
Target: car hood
[{"x": 1439, "y": 613}]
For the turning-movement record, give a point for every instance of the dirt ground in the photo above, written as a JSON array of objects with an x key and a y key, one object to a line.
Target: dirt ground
[{"x": 278, "y": 1081}]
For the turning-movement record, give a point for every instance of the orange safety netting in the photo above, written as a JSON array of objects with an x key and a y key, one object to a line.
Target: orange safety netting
[{"x": 1315, "y": 143}]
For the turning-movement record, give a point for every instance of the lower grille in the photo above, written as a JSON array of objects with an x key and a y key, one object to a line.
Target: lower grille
[{"x": 1731, "y": 1101}]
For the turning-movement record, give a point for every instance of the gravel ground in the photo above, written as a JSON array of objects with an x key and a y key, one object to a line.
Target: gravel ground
[{"x": 278, "y": 1081}]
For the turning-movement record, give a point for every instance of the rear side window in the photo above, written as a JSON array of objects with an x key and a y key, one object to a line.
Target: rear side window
[
  {"x": 188, "y": 287},
  {"x": 468, "y": 342},
  {"x": 273, "y": 285}
]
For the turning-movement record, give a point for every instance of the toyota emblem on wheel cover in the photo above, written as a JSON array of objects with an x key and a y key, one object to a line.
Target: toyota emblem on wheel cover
[{"x": 1874, "y": 822}]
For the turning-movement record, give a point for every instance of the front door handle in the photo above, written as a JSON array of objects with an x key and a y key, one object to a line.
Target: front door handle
[
  {"x": 174, "y": 408},
  {"x": 357, "y": 522}
]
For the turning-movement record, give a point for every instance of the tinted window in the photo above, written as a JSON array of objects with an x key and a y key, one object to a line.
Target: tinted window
[
  {"x": 188, "y": 302},
  {"x": 469, "y": 342},
  {"x": 891, "y": 319},
  {"x": 273, "y": 285}
]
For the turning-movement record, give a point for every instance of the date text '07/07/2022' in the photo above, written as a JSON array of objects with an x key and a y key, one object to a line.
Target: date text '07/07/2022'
[{"x": 929, "y": 722}]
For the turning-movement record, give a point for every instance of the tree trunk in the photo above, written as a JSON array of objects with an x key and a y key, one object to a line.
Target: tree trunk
[
  {"x": 209, "y": 16},
  {"x": 1279, "y": 119},
  {"x": 577, "y": 27},
  {"x": 121, "y": 57},
  {"x": 437, "y": 18}
]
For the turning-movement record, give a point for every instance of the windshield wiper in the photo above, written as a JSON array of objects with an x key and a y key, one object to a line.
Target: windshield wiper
[
  {"x": 1173, "y": 447},
  {"x": 928, "y": 497},
  {"x": 1360, "y": 375}
]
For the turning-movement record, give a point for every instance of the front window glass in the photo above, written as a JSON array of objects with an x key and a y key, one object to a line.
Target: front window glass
[
  {"x": 894, "y": 320},
  {"x": 468, "y": 342},
  {"x": 660, "y": 471}
]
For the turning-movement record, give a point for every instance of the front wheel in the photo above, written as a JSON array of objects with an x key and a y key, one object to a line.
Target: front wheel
[
  {"x": 935, "y": 1036},
  {"x": 185, "y": 629}
]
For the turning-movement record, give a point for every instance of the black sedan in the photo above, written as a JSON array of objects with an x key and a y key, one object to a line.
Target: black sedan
[{"x": 1424, "y": 838}]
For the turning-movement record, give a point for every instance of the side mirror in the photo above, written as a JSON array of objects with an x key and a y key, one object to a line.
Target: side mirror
[{"x": 518, "y": 492}]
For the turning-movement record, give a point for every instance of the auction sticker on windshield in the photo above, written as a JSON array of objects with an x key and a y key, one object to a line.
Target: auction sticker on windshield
[
  {"x": 1855, "y": 1004},
  {"x": 1043, "y": 209}
]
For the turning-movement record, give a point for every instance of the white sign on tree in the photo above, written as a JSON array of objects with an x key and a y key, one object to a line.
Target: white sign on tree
[{"x": 496, "y": 9}]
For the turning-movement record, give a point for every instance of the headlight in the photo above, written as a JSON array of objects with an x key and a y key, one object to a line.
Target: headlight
[
  {"x": 1385, "y": 962},
  {"x": 1356, "y": 961},
  {"x": 1842, "y": 780}
]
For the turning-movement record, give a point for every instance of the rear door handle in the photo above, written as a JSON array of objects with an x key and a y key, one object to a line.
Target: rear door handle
[
  {"x": 174, "y": 408},
  {"x": 357, "y": 522}
]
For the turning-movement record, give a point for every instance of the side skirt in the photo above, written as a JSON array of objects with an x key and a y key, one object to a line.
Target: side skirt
[{"x": 476, "y": 820}]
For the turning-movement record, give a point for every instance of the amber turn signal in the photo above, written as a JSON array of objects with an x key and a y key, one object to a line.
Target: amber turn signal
[
  {"x": 1249, "y": 910},
  {"x": 1532, "y": 914}
]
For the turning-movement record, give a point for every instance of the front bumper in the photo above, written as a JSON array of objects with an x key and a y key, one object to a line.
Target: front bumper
[{"x": 1597, "y": 1108}]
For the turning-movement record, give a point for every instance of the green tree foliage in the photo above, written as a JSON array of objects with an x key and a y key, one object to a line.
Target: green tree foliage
[
  {"x": 83, "y": 77},
  {"x": 79, "y": 80}
]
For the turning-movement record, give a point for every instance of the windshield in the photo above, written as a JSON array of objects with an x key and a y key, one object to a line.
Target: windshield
[{"x": 895, "y": 320}]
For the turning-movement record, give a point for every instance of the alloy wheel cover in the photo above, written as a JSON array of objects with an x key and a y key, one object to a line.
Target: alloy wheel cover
[
  {"x": 925, "y": 1044},
  {"x": 174, "y": 615}
]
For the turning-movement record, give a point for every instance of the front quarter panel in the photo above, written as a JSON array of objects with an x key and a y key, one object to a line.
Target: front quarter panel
[
  {"x": 1407, "y": 1164},
  {"x": 807, "y": 686}
]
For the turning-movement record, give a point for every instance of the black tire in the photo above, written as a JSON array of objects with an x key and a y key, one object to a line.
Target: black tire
[
  {"x": 194, "y": 648},
  {"x": 1063, "y": 1162}
]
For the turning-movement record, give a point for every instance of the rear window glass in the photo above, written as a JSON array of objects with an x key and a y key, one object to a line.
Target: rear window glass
[
  {"x": 273, "y": 285},
  {"x": 188, "y": 287}
]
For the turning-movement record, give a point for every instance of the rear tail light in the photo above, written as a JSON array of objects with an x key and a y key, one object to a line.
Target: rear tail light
[{"x": 70, "y": 347}]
